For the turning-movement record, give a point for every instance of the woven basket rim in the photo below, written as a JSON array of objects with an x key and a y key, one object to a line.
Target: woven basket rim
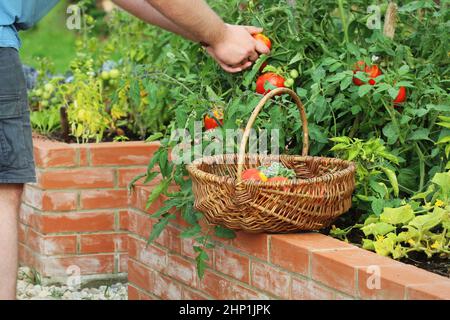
[{"x": 193, "y": 169}]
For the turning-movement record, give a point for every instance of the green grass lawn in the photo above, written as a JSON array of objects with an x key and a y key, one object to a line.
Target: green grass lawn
[{"x": 50, "y": 38}]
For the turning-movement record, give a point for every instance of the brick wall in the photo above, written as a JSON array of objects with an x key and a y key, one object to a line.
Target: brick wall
[
  {"x": 80, "y": 214},
  {"x": 75, "y": 213},
  {"x": 296, "y": 266}
]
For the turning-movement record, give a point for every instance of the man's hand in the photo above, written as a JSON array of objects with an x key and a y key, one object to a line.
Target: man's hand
[{"x": 236, "y": 49}]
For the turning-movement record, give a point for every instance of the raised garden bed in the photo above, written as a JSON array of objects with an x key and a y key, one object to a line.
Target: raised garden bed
[{"x": 74, "y": 214}]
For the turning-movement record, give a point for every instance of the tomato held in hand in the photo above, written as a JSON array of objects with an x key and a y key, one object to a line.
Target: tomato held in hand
[
  {"x": 253, "y": 174},
  {"x": 401, "y": 97},
  {"x": 213, "y": 119},
  {"x": 273, "y": 78},
  {"x": 263, "y": 39}
]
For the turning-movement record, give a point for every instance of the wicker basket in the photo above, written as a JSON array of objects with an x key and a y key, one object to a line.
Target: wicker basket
[{"x": 320, "y": 193}]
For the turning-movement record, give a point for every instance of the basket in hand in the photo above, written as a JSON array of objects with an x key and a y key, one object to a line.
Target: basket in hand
[{"x": 320, "y": 193}]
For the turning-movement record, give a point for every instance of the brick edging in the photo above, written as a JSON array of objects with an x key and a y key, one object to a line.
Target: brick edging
[{"x": 292, "y": 266}]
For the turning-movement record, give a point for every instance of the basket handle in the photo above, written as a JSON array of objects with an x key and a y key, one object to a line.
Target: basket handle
[{"x": 255, "y": 113}]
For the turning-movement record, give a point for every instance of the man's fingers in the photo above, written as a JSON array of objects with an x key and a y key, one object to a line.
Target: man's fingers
[
  {"x": 224, "y": 66},
  {"x": 261, "y": 47},
  {"x": 253, "y": 30}
]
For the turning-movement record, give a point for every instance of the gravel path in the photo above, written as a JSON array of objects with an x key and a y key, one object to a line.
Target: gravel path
[{"x": 27, "y": 289}]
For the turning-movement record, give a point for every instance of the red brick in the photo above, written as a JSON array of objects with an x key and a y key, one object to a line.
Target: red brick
[
  {"x": 149, "y": 255},
  {"x": 32, "y": 196},
  {"x": 270, "y": 279},
  {"x": 76, "y": 222},
  {"x": 393, "y": 281},
  {"x": 139, "y": 224},
  {"x": 123, "y": 263},
  {"x": 84, "y": 156},
  {"x": 129, "y": 153},
  {"x": 76, "y": 178},
  {"x": 235, "y": 265},
  {"x": 23, "y": 232},
  {"x": 139, "y": 275},
  {"x": 51, "y": 245},
  {"x": 126, "y": 175},
  {"x": 221, "y": 288},
  {"x": 59, "y": 201},
  {"x": 90, "y": 264},
  {"x": 123, "y": 220},
  {"x": 182, "y": 270},
  {"x": 103, "y": 199},
  {"x": 27, "y": 215},
  {"x": 303, "y": 289},
  {"x": 287, "y": 253},
  {"x": 105, "y": 242},
  {"x": 133, "y": 293},
  {"x": 49, "y": 154},
  {"x": 139, "y": 197},
  {"x": 253, "y": 244},
  {"x": 189, "y": 294},
  {"x": 337, "y": 268},
  {"x": 434, "y": 291},
  {"x": 170, "y": 239},
  {"x": 28, "y": 258},
  {"x": 166, "y": 288}
]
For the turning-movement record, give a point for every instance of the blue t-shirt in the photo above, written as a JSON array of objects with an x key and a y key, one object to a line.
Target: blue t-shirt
[{"x": 18, "y": 15}]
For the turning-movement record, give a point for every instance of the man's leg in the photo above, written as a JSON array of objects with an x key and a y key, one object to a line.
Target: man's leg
[{"x": 10, "y": 198}]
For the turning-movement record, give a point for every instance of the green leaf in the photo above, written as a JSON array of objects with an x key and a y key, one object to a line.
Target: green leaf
[
  {"x": 420, "y": 134},
  {"x": 191, "y": 232},
  {"x": 377, "y": 229},
  {"x": 224, "y": 233},
  {"x": 377, "y": 206},
  {"x": 395, "y": 216},
  {"x": 159, "y": 227},
  {"x": 426, "y": 221},
  {"x": 392, "y": 179},
  {"x": 443, "y": 181},
  {"x": 157, "y": 191},
  {"x": 154, "y": 137},
  {"x": 201, "y": 260},
  {"x": 364, "y": 89}
]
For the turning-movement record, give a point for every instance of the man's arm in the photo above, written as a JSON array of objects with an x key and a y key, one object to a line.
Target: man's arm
[{"x": 231, "y": 46}]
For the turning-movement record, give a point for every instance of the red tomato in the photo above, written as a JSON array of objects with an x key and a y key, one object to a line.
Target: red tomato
[
  {"x": 372, "y": 72},
  {"x": 273, "y": 78},
  {"x": 209, "y": 121},
  {"x": 359, "y": 66},
  {"x": 263, "y": 39},
  {"x": 401, "y": 97},
  {"x": 253, "y": 174}
]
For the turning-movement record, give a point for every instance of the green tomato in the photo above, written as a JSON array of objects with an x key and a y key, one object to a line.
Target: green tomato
[
  {"x": 49, "y": 87},
  {"x": 289, "y": 82},
  {"x": 294, "y": 74},
  {"x": 44, "y": 103},
  {"x": 105, "y": 75},
  {"x": 114, "y": 73},
  {"x": 38, "y": 92},
  {"x": 54, "y": 100}
]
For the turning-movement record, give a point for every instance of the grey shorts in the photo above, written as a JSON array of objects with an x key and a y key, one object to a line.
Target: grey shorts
[{"x": 16, "y": 144}]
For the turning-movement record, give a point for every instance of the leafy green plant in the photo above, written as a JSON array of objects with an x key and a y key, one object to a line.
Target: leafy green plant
[
  {"x": 393, "y": 146},
  {"x": 421, "y": 225}
]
